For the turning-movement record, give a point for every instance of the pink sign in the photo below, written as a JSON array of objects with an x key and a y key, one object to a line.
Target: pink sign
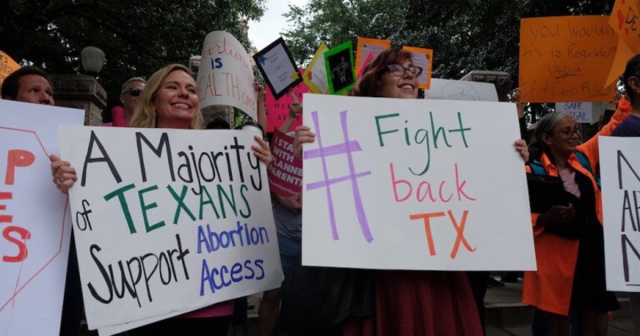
[
  {"x": 277, "y": 110},
  {"x": 285, "y": 172},
  {"x": 366, "y": 62}
]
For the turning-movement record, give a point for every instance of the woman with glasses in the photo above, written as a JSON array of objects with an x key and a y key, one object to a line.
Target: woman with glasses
[
  {"x": 568, "y": 237},
  {"x": 409, "y": 303}
]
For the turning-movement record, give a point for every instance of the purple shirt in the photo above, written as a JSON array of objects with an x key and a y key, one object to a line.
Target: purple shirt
[{"x": 629, "y": 128}]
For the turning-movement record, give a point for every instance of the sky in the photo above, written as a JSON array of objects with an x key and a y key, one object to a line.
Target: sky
[{"x": 272, "y": 23}]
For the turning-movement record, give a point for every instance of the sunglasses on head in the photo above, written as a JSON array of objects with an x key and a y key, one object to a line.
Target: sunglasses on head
[{"x": 133, "y": 92}]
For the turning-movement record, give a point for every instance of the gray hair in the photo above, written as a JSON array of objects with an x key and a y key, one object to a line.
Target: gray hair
[
  {"x": 548, "y": 122},
  {"x": 125, "y": 86}
]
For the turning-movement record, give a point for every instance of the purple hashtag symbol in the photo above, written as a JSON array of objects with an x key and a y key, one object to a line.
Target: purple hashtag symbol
[{"x": 347, "y": 147}]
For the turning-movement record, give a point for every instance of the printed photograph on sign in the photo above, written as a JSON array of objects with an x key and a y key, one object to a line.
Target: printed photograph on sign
[
  {"x": 277, "y": 67},
  {"x": 339, "y": 64}
]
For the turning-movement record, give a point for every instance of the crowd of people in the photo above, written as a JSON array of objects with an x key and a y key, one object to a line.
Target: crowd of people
[{"x": 568, "y": 289}]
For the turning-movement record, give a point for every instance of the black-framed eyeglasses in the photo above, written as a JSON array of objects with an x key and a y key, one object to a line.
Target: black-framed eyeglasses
[
  {"x": 134, "y": 92},
  {"x": 570, "y": 132},
  {"x": 399, "y": 70}
]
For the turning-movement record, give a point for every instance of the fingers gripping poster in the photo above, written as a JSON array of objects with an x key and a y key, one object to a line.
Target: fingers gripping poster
[
  {"x": 414, "y": 184},
  {"x": 171, "y": 220},
  {"x": 34, "y": 225}
]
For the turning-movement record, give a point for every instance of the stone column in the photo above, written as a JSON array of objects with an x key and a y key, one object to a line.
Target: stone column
[
  {"x": 502, "y": 81},
  {"x": 81, "y": 92}
]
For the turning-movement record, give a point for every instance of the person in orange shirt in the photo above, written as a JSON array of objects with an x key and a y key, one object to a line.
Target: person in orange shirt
[{"x": 568, "y": 238}]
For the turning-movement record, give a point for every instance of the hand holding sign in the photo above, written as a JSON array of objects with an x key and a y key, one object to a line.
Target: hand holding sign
[{"x": 295, "y": 108}]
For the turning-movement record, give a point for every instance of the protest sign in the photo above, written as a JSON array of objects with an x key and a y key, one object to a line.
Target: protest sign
[
  {"x": 285, "y": 172},
  {"x": 588, "y": 113},
  {"x": 7, "y": 66},
  {"x": 620, "y": 168},
  {"x": 566, "y": 59},
  {"x": 34, "y": 245},
  {"x": 423, "y": 58},
  {"x": 624, "y": 20},
  {"x": 450, "y": 89},
  {"x": 225, "y": 76},
  {"x": 316, "y": 74},
  {"x": 411, "y": 184},
  {"x": 368, "y": 46},
  {"x": 278, "y": 110},
  {"x": 366, "y": 62},
  {"x": 339, "y": 65},
  {"x": 623, "y": 55},
  {"x": 277, "y": 67},
  {"x": 172, "y": 221}
]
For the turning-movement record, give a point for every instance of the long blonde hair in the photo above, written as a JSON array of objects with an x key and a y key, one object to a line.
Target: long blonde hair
[{"x": 144, "y": 114}]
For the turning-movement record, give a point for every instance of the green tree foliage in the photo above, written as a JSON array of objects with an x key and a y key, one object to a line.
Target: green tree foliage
[
  {"x": 138, "y": 37},
  {"x": 464, "y": 34}
]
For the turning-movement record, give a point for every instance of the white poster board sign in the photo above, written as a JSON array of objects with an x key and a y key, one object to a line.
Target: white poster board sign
[
  {"x": 183, "y": 216},
  {"x": 411, "y": 184},
  {"x": 581, "y": 112},
  {"x": 450, "y": 89},
  {"x": 225, "y": 75},
  {"x": 620, "y": 171},
  {"x": 34, "y": 244}
]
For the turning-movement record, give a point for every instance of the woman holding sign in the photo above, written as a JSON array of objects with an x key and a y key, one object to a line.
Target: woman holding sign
[
  {"x": 170, "y": 100},
  {"x": 409, "y": 303}
]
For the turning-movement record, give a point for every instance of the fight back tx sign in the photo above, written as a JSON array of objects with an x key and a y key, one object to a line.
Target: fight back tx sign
[
  {"x": 620, "y": 167},
  {"x": 414, "y": 184},
  {"x": 168, "y": 221}
]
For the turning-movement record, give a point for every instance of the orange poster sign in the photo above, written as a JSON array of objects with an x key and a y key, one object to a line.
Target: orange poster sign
[
  {"x": 367, "y": 46},
  {"x": 625, "y": 20},
  {"x": 566, "y": 59},
  {"x": 7, "y": 66}
]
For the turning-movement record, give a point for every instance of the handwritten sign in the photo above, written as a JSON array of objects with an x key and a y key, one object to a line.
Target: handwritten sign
[
  {"x": 368, "y": 46},
  {"x": 34, "y": 244},
  {"x": 588, "y": 113},
  {"x": 285, "y": 172},
  {"x": 566, "y": 59},
  {"x": 277, "y": 67},
  {"x": 168, "y": 221},
  {"x": 7, "y": 66},
  {"x": 316, "y": 74},
  {"x": 625, "y": 19},
  {"x": 424, "y": 59},
  {"x": 620, "y": 167},
  {"x": 225, "y": 76},
  {"x": 278, "y": 110},
  {"x": 623, "y": 55},
  {"x": 411, "y": 184},
  {"x": 450, "y": 89}
]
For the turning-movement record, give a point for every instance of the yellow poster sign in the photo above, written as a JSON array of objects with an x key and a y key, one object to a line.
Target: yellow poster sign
[{"x": 566, "y": 59}]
